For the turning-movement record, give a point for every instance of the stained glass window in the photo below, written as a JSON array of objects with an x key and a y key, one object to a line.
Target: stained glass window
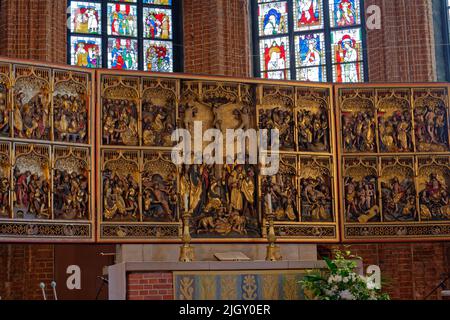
[
  {"x": 310, "y": 40},
  {"x": 124, "y": 34}
]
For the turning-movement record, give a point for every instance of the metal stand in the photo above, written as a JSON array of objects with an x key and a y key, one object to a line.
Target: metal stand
[
  {"x": 186, "y": 251},
  {"x": 273, "y": 251},
  {"x": 441, "y": 285}
]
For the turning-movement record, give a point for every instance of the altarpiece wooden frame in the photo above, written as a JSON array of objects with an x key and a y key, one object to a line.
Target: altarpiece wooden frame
[
  {"x": 47, "y": 145},
  {"x": 408, "y": 163},
  {"x": 358, "y": 163}
]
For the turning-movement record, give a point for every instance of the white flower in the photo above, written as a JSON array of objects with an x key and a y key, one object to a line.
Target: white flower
[
  {"x": 345, "y": 280},
  {"x": 347, "y": 295},
  {"x": 338, "y": 278},
  {"x": 329, "y": 293}
]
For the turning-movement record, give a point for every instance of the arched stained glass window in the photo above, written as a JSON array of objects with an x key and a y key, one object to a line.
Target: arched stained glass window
[
  {"x": 310, "y": 40},
  {"x": 125, "y": 34}
]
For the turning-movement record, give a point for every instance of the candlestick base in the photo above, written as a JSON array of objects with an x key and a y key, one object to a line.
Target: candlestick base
[
  {"x": 273, "y": 253},
  {"x": 187, "y": 253}
]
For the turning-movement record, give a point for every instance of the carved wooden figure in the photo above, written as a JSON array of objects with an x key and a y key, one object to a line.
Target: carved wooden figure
[
  {"x": 32, "y": 182},
  {"x": 32, "y": 103},
  {"x": 71, "y": 108}
]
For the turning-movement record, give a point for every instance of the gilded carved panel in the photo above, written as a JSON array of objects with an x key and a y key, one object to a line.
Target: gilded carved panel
[
  {"x": 5, "y": 100},
  {"x": 138, "y": 196},
  {"x": 314, "y": 118},
  {"x": 431, "y": 111},
  {"x": 5, "y": 180},
  {"x": 226, "y": 200},
  {"x": 433, "y": 187},
  {"x": 71, "y": 114},
  {"x": 317, "y": 189},
  {"x": 283, "y": 189},
  {"x": 223, "y": 197},
  {"x": 46, "y": 150},
  {"x": 276, "y": 111},
  {"x": 72, "y": 184},
  {"x": 159, "y": 188},
  {"x": 32, "y": 103},
  {"x": 159, "y": 112},
  {"x": 302, "y": 194},
  {"x": 396, "y": 186},
  {"x": 388, "y": 174},
  {"x": 121, "y": 185},
  {"x": 120, "y": 105}
]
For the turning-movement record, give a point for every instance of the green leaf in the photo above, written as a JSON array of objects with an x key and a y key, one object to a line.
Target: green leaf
[{"x": 331, "y": 265}]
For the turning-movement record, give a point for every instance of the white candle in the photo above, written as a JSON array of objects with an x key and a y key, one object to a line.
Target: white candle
[
  {"x": 269, "y": 203},
  {"x": 186, "y": 202}
]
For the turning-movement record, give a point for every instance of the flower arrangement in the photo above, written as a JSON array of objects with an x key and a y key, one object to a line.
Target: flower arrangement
[{"x": 340, "y": 281}]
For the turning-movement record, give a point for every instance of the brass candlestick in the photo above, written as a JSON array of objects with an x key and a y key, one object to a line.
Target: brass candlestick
[
  {"x": 273, "y": 251},
  {"x": 186, "y": 252}
]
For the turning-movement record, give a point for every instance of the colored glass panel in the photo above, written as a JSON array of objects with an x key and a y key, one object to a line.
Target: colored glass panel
[
  {"x": 158, "y": 2},
  {"x": 86, "y": 52},
  {"x": 122, "y": 54},
  {"x": 308, "y": 15},
  {"x": 347, "y": 55},
  {"x": 158, "y": 56},
  {"x": 157, "y": 23},
  {"x": 344, "y": 13},
  {"x": 122, "y": 20},
  {"x": 85, "y": 17},
  {"x": 273, "y": 18},
  {"x": 310, "y": 57},
  {"x": 275, "y": 57}
]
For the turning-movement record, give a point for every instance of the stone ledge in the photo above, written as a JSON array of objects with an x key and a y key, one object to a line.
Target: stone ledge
[{"x": 220, "y": 266}]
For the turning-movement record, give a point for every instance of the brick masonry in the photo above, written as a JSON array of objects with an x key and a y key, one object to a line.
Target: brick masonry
[
  {"x": 403, "y": 49},
  {"x": 150, "y": 286},
  {"x": 23, "y": 268},
  {"x": 217, "y": 38},
  {"x": 410, "y": 271},
  {"x": 34, "y": 29},
  {"x": 217, "y": 41}
]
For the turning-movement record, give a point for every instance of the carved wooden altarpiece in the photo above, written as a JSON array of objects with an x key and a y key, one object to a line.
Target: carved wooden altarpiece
[
  {"x": 357, "y": 162},
  {"x": 394, "y": 162},
  {"x": 46, "y": 153}
]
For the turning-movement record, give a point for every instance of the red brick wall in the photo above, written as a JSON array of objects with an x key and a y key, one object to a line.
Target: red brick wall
[
  {"x": 216, "y": 37},
  {"x": 411, "y": 270},
  {"x": 23, "y": 268},
  {"x": 150, "y": 286},
  {"x": 403, "y": 49},
  {"x": 34, "y": 29}
]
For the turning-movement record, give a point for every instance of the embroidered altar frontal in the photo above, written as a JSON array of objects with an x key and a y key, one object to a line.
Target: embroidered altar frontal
[
  {"x": 248, "y": 286},
  {"x": 357, "y": 162}
]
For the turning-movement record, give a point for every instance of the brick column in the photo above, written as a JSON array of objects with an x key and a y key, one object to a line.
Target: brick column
[
  {"x": 217, "y": 37},
  {"x": 34, "y": 29},
  {"x": 403, "y": 49},
  {"x": 23, "y": 268}
]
